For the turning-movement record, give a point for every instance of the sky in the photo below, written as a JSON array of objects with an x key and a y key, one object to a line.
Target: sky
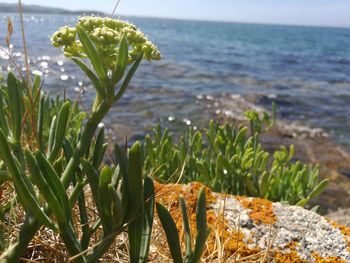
[{"x": 294, "y": 12}]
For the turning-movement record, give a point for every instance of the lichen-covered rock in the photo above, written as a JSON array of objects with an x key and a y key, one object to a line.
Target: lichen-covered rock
[{"x": 243, "y": 227}]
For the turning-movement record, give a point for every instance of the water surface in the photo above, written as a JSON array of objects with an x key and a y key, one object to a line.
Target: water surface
[{"x": 306, "y": 70}]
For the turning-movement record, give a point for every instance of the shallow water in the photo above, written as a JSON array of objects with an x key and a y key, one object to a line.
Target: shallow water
[{"x": 306, "y": 70}]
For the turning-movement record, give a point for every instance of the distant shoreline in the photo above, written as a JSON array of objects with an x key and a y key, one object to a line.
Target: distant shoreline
[{"x": 37, "y": 9}]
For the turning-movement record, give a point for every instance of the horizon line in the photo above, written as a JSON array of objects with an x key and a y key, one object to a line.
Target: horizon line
[{"x": 178, "y": 18}]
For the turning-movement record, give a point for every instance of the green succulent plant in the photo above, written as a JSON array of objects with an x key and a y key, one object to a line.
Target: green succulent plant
[
  {"x": 51, "y": 151},
  {"x": 227, "y": 159}
]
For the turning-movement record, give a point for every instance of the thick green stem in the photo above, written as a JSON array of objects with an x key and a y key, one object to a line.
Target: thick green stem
[
  {"x": 85, "y": 140},
  {"x": 84, "y": 221}
]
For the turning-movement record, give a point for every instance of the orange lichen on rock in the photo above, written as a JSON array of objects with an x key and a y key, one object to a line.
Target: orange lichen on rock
[
  {"x": 293, "y": 257},
  {"x": 320, "y": 259},
  {"x": 222, "y": 236},
  {"x": 261, "y": 210},
  {"x": 234, "y": 243}
]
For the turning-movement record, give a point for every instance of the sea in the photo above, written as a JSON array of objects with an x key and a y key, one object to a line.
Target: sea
[{"x": 207, "y": 69}]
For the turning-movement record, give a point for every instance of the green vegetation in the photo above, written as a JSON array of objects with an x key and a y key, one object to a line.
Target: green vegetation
[
  {"x": 227, "y": 160},
  {"x": 49, "y": 153}
]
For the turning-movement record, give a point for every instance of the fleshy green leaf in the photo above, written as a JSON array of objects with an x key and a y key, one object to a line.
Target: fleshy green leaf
[
  {"x": 92, "y": 53},
  {"x": 128, "y": 78},
  {"x": 99, "y": 87},
  {"x": 171, "y": 233}
]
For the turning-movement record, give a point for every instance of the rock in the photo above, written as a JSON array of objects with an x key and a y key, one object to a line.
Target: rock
[
  {"x": 342, "y": 216},
  {"x": 251, "y": 228}
]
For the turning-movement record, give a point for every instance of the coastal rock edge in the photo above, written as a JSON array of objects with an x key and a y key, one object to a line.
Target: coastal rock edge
[{"x": 244, "y": 227}]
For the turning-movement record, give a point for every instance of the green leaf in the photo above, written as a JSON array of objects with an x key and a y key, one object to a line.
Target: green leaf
[
  {"x": 122, "y": 162},
  {"x": 24, "y": 189},
  {"x": 202, "y": 230},
  {"x": 319, "y": 189},
  {"x": 99, "y": 87},
  {"x": 263, "y": 184},
  {"x": 54, "y": 182},
  {"x": 40, "y": 125},
  {"x": 147, "y": 221},
  {"x": 122, "y": 61},
  {"x": 302, "y": 202},
  {"x": 135, "y": 179},
  {"x": 187, "y": 230},
  {"x": 44, "y": 187},
  {"x": 117, "y": 208},
  {"x": 135, "y": 235},
  {"x": 52, "y": 134},
  {"x": 36, "y": 86},
  {"x": 171, "y": 233},
  {"x": 128, "y": 78},
  {"x": 104, "y": 200},
  {"x": 251, "y": 188},
  {"x": 99, "y": 149},
  {"x": 67, "y": 149},
  {"x": 92, "y": 53},
  {"x": 60, "y": 130},
  {"x": 92, "y": 178},
  {"x": 3, "y": 121},
  {"x": 15, "y": 105},
  {"x": 203, "y": 172}
]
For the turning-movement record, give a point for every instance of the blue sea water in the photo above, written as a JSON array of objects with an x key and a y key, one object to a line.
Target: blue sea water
[{"x": 306, "y": 70}]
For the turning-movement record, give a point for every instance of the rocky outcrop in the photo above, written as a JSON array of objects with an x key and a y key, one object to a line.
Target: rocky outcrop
[{"x": 247, "y": 228}]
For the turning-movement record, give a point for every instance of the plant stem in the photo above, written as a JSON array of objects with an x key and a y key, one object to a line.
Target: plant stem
[{"x": 86, "y": 138}]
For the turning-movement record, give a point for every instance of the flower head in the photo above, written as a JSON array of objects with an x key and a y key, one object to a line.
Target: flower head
[{"x": 106, "y": 34}]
